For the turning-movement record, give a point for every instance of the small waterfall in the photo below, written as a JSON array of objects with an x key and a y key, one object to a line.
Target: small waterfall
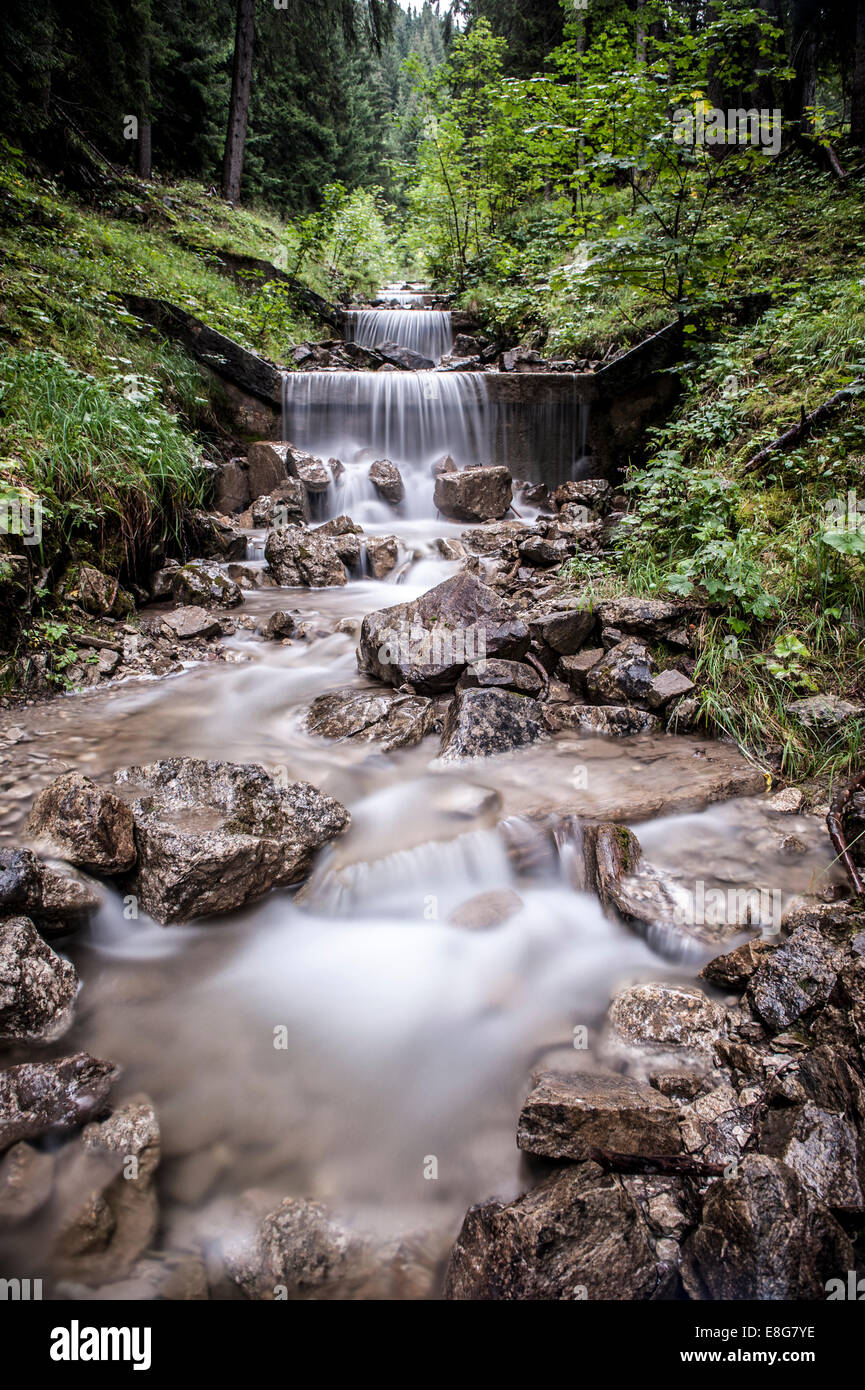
[
  {"x": 411, "y": 418},
  {"x": 426, "y": 331}
]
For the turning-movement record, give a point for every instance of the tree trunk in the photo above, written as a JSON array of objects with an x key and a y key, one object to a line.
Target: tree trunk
[
  {"x": 238, "y": 110},
  {"x": 857, "y": 96},
  {"x": 145, "y": 141}
]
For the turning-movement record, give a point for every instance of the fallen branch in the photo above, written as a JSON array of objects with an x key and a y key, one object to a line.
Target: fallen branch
[
  {"x": 804, "y": 427},
  {"x": 838, "y": 809}
]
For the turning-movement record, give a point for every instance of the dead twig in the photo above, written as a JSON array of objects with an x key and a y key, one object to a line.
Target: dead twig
[
  {"x": 806, "y": 424},
  {"x": 838, "y": 809}
]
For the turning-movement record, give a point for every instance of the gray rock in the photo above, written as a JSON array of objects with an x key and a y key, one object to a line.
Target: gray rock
[
  {"x": 312, "y": 472},
  {"x": 232, "y": 486},
  {"x": 95, "y": 592},
  {"x": 445, "y": 464},
  {"x": 300, "y": 557},
  {"x": 429, "y": 642},
  {"x": 794, "y": 979},
  {"x": 392, "y": 720},
  {"x": 46, "y": 1097},
  {"x": 54, "y": 900},
  {"x": 84, "y": 823},
  {"x": 574, "y": 669},
  {"x": 502, "y": 675},
  {"x": 763, "y": 1236},
  {"x": 483, "y": 722},
  {"x": 474, "y": 494},
  {"x": 216, "y": 538},
  {"x": 212, "y": 836},
  {"x": 203, "y": 584},
  {"x": 668, "y": 685},
  {"x": 267, "y": 466},
  {"x": 280, "y": 624},
  {"x": 581, "y": 1234},
  {"x": 186, "y": 624},
  {"x": 652, "y": 618},
  {"x": 825, "y": 712},
  {"x": 672, "y": 1018},
  {"x": 26, "y": 1181},
  {"x": 623, "y": 676},
  {"x": 822, "y": 1148},
  {"x": 619, "y": 721},
  {"x": 565, "y": 630},
  {"x": 250, "y": 576},
  {"x": 382, "y": 553},
  {"x": 298, "y": 1250},
  {"x": 594, "y": 493},
  {"x": 567, "y": 1115},
  {"x": 37, "y": 987},
  {"x": 387, "y": 481}
]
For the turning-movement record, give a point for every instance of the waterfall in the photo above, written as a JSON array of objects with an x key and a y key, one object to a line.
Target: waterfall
[{"x": 426, "y": 331}]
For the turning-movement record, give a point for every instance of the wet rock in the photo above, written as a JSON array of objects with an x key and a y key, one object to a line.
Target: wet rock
[
  {"x": 251, "y": 576},
  {"x": 382, "y": 553},
  {"x": 267, "y": 466},
  {"x": 567, "y": 1115},
  {"x": 398, "y": 356},
  {"x": 622, "y": 677},
  {"x": 232, "y": 486},
  {"x": 565, "y": 630},
  {"x": 188, "y": 623},
  {"x": 392, "y": 720},
  {"x": 216, "y": 538},
  {"x": 429, "y": 642},
  {"x": 95, "y": 592},
  {"x": 474, "y": 494},
  {"x": 26, "y": 1180},
  {"x": 615, "y": 869},
  {"x": 719, "y": 1123},
  {"x": 502, "y": 675},
  {"x": 487, "y": 910},
  {"x": 339, "y": 526},
  {"x": 492, "y": 538},
  {"x": 44, "y": 1097},
  {"x": 54, "y": 900},
  {"x": 822, "y": 1148},
  {"x": 673, "y": 1018},
  {"x": 825, "y": 712},
  {"x": 387, "y": 481},
  {"x": 279, "y": 625},
  {"x": 733, "y": 970},
  {"x": 201, "y": 583},
  {"x": 37, "y": 987},
  {"x": 450, "y": 549},
  {"x": 161, "y": 582},
  {"x": 595, "y": 494},
  {"x": 794, "y": 979},
  {"x": 574, "y": 669},
  {"x": 312, "y": 472},
  {"x": 580, "y": 1234},
  {"x": 763, "y": 1236},
  {"x": 84, "y": 823},
  {"x": 483, "y": 722},
  {"x": 445, "y": 464},
  {"x": 668, "y": 685},
  {"x": 297, "y": 1252},
  {"x": 212, "y": 836},
  {"x": 619, "y": 721},
  {"x": 109, "y": 1227},
  {"x": 788, "y": 802},
  {"x": 542, "y": 552},
  {"x": 287, "y": 504},
  {"x": 655, "y": 619},
  {"x": 300, "y": 557}
]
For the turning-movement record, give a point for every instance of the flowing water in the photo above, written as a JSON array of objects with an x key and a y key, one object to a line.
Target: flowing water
[
  {"x": 408, "y": 1038},
  {"x": 426, "y": 331}
]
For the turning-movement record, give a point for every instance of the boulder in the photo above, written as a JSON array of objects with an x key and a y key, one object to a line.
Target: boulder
[
  {"x": 619, "y": 721},
  {"x": 382, "y": 553},
  {"x": 212, "y": 836},
  {"x": 501, "y": 675},
  {"x": 446, "y": 464},
  {"x": 286, "y": 505},
  {"x": 46, "y": 1097},
  {"x": 396, "y": 355},
  {"x": 623, "y": 676},
  {"x": 794, "y": 979},
  {"x": 232, "y": 487},
  {"x": 651, "y": 618},
  {"x": 565, "y": 1116},
  {"x": 429, "y": 641},
  {"x": 580, "y": 1234},
  {"x": 296, "y": 1251},
  {"x": 54, "y": 900},
  {"x": 201, "y": 583},
  {"x": 733, "y": 970},
  {"x": 37, "y": 987},
  {"x": 387, "y": 481},
  {"x": 388, "y": 719},
  {"x": 95, "y": 592},
  {"x": 822, "y": 1148},
  {"x": 300, "y": 557},
  {"x": 267, "y": 465},
  {"x": 574, "y": 669},
  {"x": 216, "y": 538},
  {"x": 677, "y": 1019},
  {"x": 279, "y": 625},
  {"x": 483, "y": 722},
  {"x": 595, "y": 494},
  {"x": 825, "y": 712},
  {"x": 188, "y": 623},
  {"x": 763, "y": 1237},
  {"x": 668, "y": 685},
  {"x": 84, "y": 823},
  {"x": 565, "y": 630},
  {"x": 541, "y": 552},
  {"x": 474, "y": 494}
]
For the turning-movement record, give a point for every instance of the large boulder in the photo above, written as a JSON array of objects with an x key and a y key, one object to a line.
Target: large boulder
[
  {"x": 482, "y": 722},
  {"x": 211, "y": 836},
  {"x": 55, "y": 900},
  {"x": 232, "y": 487},
  {"x": 623, "y": 677},
  {"x": 189, "y": 623},
  {"x": 398, "y": 356},
  {"x": 793, "y": 980},
  {"x": 95, "y": 592},
  {"x": 37, "y": 987},
  {"x": 267, "y": 466},
  {"x": 619, "y": 721},
  {"x": 430, "y": 641},
  {"x": 474, "y": 494},
  {"x": 764, "y": 1237},
  {"x": 387, "y": 481},
  {"x": 87, "y": 824},
  {"x": 217, "y": 538},
  {"x": 299, "y": 557},
  {"x": 385, "y": 718},
  {"x": 563, "y": 629},
  {"x": 581, "y": 1234},
  {"x": 676, "y": 1021},
  {"x": 566, "y": 1116},
  {"x": 594, "y": 494},
  {"x": 51, "y": 1097},
  {"x": 202, "y": 584}
]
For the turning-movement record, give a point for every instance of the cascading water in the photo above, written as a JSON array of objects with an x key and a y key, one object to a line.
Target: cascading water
[
  {"x": 425, "y": 331},
  {"x": 411, "y": 418}
]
